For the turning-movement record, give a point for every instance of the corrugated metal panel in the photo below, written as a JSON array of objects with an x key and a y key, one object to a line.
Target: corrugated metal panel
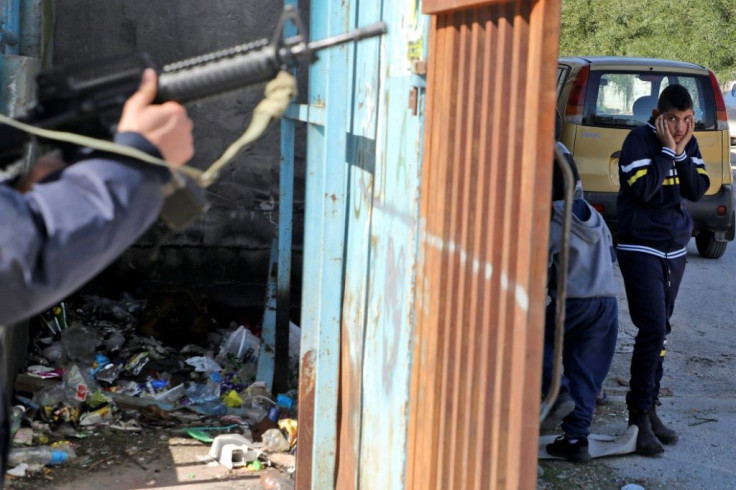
[{"x": 485, "y": 209}]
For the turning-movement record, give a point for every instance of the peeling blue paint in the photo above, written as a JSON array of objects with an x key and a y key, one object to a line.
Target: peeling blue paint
[{"x": 363, "y": 171}]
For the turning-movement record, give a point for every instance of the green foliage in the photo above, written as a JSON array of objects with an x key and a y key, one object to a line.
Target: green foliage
[{"x": 698, "y": 31}]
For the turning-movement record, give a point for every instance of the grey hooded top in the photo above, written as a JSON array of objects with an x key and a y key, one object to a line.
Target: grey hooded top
[{"x": 590, "y": 271}]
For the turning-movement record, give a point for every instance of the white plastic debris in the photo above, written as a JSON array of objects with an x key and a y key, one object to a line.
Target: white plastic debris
[
  {"x": 203, "y": 364},
  {"x": 243, "y": 344},
  {"x": 233, "y": 450},
  {"x": 19, "y": 470}
]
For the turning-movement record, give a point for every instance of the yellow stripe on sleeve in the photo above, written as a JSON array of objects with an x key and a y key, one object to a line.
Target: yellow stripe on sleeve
[{"x": 641, "y": 173}]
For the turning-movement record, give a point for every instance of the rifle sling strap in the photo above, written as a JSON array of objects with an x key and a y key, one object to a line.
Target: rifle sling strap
[{"x": 279, "y": 93}]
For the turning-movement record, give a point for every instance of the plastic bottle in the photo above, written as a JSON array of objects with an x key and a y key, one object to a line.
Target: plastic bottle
[
  {"x": 274, "y": 441},
  {"x": 41, "y": 455},
  {"x": 16, "y": 416},
  {"x": 203, "y": 392},
  {"x": 274, "y": 480}
]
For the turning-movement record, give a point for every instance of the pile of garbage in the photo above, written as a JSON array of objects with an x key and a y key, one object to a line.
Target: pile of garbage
[{"x": 96, "y": 364}]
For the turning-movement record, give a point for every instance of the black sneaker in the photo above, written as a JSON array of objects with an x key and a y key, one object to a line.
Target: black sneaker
[
  {"x": 563, "y": 406},
  {"x": 573, "y": 449}
]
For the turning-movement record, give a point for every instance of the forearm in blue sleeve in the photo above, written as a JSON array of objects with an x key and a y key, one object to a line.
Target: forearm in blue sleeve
[{"x": 61, "y": 234}]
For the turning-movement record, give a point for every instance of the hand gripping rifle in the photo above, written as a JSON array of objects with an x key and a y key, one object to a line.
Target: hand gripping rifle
[{"x": 88, "y": 100}]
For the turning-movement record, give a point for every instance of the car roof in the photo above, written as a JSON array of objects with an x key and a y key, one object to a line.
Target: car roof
[{"x": 618, "y": 61}]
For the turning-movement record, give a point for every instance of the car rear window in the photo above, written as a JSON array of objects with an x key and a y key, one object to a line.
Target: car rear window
[{"x": 625, "y": 99}]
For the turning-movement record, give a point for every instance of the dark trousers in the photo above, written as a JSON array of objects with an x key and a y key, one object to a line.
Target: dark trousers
[
  {"x": 651, "y": 285},
  {"x": 591, "y": 328}
]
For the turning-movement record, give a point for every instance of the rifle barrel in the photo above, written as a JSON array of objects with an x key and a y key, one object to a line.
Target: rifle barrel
[{"x": 371, "y": 30}]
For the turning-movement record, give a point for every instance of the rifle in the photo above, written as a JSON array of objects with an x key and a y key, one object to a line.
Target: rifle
[{"x": 88, "y": 99}]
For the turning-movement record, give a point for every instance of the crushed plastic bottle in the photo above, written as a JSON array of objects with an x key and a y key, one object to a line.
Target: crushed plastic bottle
[
  {"x": 274, "y": 480},
  {"x": 46, "y": 455},
  {"x": 274, "y": 441},
  {"x": 16, "y": 416},
  {"x": 203, "y": 392}
]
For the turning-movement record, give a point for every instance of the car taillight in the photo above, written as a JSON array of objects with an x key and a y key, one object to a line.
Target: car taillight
[
  {"x": 599, "y": 207},
  {"x": 574, "y": 109},
  {"x": 721, "y": 211},
  {"x": 721, "y": 115}
]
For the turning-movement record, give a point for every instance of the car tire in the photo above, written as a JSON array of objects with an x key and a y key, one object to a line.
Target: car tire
[{"x": 708, "y": 246}]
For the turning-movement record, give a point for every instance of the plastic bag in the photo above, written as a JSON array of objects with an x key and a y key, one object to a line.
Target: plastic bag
[
  {"x": 80, "y": 343},
  {"x": 76, "y": 386},
  {"x": 243, "y": 344}
]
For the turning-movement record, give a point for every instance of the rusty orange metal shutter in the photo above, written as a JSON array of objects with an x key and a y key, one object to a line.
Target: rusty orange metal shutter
[{"x": 488, "y": 151}]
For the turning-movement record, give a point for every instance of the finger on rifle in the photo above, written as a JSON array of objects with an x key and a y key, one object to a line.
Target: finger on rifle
[{"x": 146, "y": 91}]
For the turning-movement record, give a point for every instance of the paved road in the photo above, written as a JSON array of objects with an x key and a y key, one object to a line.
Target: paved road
[{"x": 699, "y": 383}]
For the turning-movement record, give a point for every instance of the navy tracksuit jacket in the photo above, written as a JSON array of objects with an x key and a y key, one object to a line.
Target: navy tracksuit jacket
[{"x": 654, "y": 229}]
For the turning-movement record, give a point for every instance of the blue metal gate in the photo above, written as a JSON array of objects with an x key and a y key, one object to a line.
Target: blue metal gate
[{"x": 364, "y": 126}]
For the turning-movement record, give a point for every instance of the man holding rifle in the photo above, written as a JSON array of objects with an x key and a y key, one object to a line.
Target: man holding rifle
[{"x": 75, "y": 222}]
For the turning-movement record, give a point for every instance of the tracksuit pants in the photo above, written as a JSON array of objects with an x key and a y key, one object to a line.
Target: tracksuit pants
[
  {"x": 651, "y": 284},
  {"x": 591, "y": 328}
]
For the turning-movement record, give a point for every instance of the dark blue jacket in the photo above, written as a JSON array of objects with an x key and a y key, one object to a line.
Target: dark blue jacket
[
  {"x": 655, "y": 184},
  {"x": 62, "y": 233}
]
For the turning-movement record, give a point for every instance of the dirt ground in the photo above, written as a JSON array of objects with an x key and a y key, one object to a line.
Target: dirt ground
[
  {"x": 152, "y": 458},
  {"x": 698, "y": 393},
  {"x": 139, "y": 440},
  {"x": 561, "y": 475}
]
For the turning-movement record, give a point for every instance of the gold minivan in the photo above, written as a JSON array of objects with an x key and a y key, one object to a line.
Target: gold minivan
[{"x": 602, "y": 98}]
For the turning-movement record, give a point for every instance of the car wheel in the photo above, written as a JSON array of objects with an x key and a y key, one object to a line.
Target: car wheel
[{"x": 708, "y": 246}]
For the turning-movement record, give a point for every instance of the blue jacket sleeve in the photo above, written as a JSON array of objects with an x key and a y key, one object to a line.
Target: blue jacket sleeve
[
  {"x": 61, "y": 234},
  {"x": 691, "y": 171}
]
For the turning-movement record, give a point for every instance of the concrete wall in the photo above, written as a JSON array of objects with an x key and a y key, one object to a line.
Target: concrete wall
[{"x": 225, "y": 254}]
